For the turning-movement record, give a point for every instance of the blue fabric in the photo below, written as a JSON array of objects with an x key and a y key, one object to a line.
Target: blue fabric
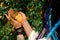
[{"x": 53, "y": 29}]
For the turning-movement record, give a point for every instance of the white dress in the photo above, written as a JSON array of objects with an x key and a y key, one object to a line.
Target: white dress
[{"x": 34, "y": 35}]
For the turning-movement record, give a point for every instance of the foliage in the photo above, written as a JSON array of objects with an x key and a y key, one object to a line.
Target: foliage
[{"x": 32, "y": 9}]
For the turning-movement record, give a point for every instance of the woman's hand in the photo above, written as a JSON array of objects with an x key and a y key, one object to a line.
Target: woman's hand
[
  {"x": 21, "y": 17},
  {"x": 15, "y": 23}
]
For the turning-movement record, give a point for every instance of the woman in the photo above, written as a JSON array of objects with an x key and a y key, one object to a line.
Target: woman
[{"x": 24, "y": 23}]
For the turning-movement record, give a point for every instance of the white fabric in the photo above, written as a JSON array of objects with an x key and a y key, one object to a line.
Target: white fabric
[
  {"x": 43, "y": 39},
  {"x": 33, "y": 36},
  {"x": 20, "y": 37}
]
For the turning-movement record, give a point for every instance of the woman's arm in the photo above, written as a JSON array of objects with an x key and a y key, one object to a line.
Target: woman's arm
[
  {"x": 27, "y": 27},
  {"x": 17, "y": 24}
]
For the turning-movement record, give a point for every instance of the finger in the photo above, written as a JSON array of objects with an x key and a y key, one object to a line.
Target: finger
[
  {"x": 22, "y": 13},
  {"x": 10, "y": 12},
  {"x": 7, "y": 16},
  {"x": 12, "y": 20},
  {"x": 15, "y": 23}
]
